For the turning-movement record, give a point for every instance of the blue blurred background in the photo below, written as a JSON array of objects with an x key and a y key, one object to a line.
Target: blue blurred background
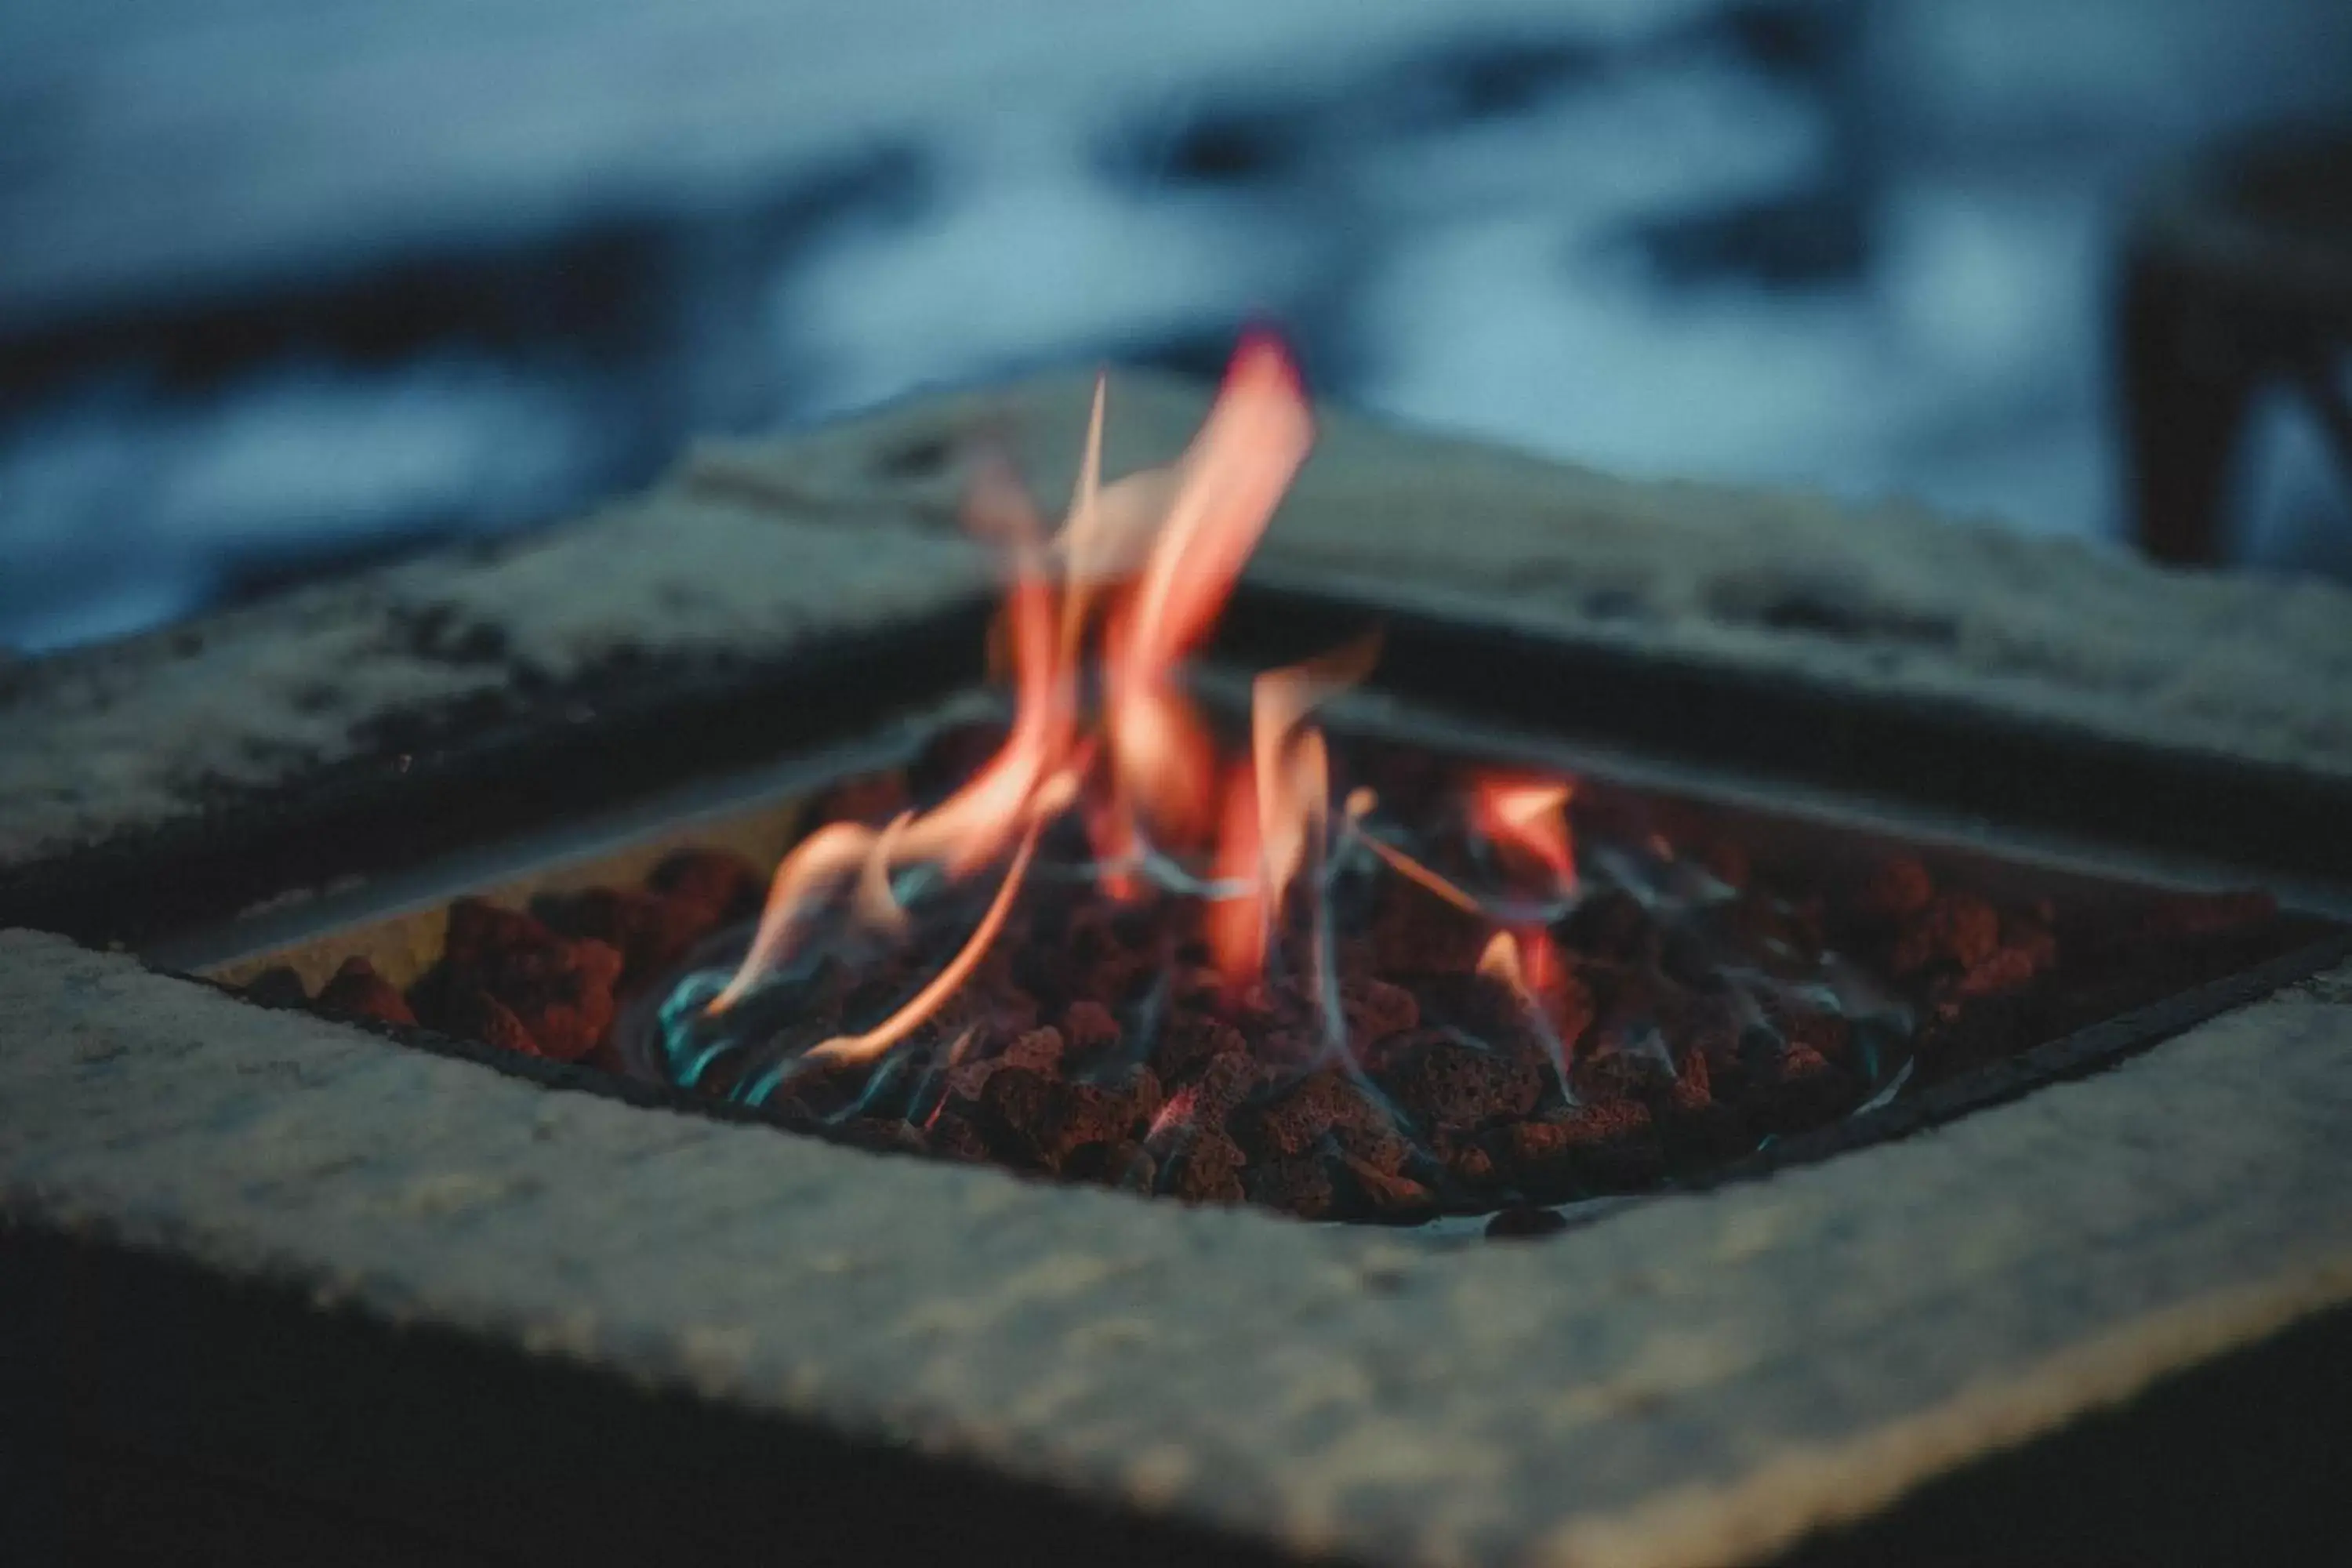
[{"x": 290, "y": 284}]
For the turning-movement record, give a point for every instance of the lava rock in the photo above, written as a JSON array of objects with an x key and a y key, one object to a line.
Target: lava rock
[
  {"x": 1385, "y": 1194},
  {"x": 1039, "y": 1050},
  {"x": 651, "y": 931},
  {"x": 1018, "y": 1115},
  {"x": 1205, "y": 1104},
  {"x": 1298, "y": 1117},
  {"x": 1803, "y": 1091},
  {"x": 1726, "y": 859},
  {"x": 2008, "y": 969},
  {"x": 1610, "y": 1147},
  {"x": 559, "y": 989},
  {"x": 953, "y": 1137},
  {"x": 1375, "y": 1010},
  {"x": 1955, "y": 929},
  {"x": 357, "y": 990},
  {"x": 1124, "y": 1163},
  {"x": 1446, "y": 1082},
  {"x": 1089, "y": 1027},
  {"x": 278, "y": 987},
  {"x": 1612, "y": 924},
  {"x": 726, "y": 884},
  {"x": 1414, "y": 934},
  {"x": 562, "y": 992},
  {"x": 471, "y": 1013},
  {"x": 480, "y": 931},
  {"x": 1299, "y": 1185},
  {"x": 1897, "y": 885},
  {"x": 1203, "y": 1166}
]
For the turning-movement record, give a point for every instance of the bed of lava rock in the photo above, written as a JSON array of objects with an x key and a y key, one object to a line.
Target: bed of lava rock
[{"x": 1094, "y": 1043}]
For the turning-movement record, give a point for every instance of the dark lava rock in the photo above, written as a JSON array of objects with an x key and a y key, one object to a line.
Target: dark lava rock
[
  {"x": 1089, "y": 1027},
  {"x": 1897, "y": 885},
  {"x": 1298, "y": 1117},
  {"x": 1189, "y": 1042},
  {"x": 1375, "y": 1009},
  {"x": 357, "y": 990},
  {"x": 1445, "y": 1082},
  {"x": 651, "y": 931},
  {"x": 1385, "y": 1194},
  {"x": 278, "y": 987},
  {"x": 1203, "y": 1167},
  {"x": 1610, "y": 1147},
  {"x": 471, "y": 1013},
  {"x": 727, "y": 885},
  {"x": 559, "y": 989},
  {"x": 1297, "y": 1184},
  {"x": 1612, "y": 924},
  {"x": 1956, "y": 929},
  {"x": 1803, "y": 1091}
]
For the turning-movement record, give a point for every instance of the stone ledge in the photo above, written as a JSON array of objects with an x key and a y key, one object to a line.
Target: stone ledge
[
  {"x": 751, "y": 548},
  {"x": 111, "y": 741},
  {"x": 1691, "y": 1381},
  {"x": 1888, "y": 598}
]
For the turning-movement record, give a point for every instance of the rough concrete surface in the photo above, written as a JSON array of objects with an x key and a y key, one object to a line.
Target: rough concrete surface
[
  {"x": 1691, "y": 1381},
  {"x": 1890, "y": 598},
  {"x": 752, "y": 546}
]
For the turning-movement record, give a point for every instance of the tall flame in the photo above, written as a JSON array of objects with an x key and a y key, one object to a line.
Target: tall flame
[
  {"x": 1134, "y": 581},
  {"x": 1528, "y": 965},
  {"x": 1528, "y": 817},
  {"x": 1149, "y": 560}
]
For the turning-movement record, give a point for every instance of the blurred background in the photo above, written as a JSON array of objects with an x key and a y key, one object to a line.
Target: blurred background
[{"x": 290, "y": 284}]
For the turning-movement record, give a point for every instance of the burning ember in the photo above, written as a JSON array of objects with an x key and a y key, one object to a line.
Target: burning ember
[{"x": 1138, "y": 943}]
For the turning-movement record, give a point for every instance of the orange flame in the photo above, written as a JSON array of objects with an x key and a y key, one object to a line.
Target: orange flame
[
  {"x": 1151, "y": 560},
  {"x": 1138, "y": 575},
  {"x": 1235, "y": 924},
  {"x": 1499, "y": 961},
  {"x": 1529, "y": 965},
  {"x": 973, "y": 827},
  {"x": 1225, "y": 487},
  {"x": 1276, "y": 810},
  {"x": 1527, "y": 816},
  {"x": 943, "y": 985}
]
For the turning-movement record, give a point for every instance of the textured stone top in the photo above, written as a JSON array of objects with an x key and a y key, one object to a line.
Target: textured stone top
[
  {"x": 1692, "y": 1380},
  {"x": 751, "y": 547},
  {"x": 1891, "y": 598}
]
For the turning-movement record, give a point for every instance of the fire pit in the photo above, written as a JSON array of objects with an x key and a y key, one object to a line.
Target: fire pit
[
  {"x": 1230, "y": 952},
  {"x": 1683, "y": 1013},
  {"x": 376, "y": 1286}
]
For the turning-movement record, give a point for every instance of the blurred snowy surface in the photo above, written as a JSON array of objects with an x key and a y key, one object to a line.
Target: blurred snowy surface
[{"x": 1858, "y": 245}]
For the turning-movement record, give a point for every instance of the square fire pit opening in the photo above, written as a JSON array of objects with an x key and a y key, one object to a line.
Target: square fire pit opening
[{"x": 1531, "y": 973}]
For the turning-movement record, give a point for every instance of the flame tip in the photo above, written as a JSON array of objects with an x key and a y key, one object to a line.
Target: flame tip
[{"x": 1264, "y": 352}]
